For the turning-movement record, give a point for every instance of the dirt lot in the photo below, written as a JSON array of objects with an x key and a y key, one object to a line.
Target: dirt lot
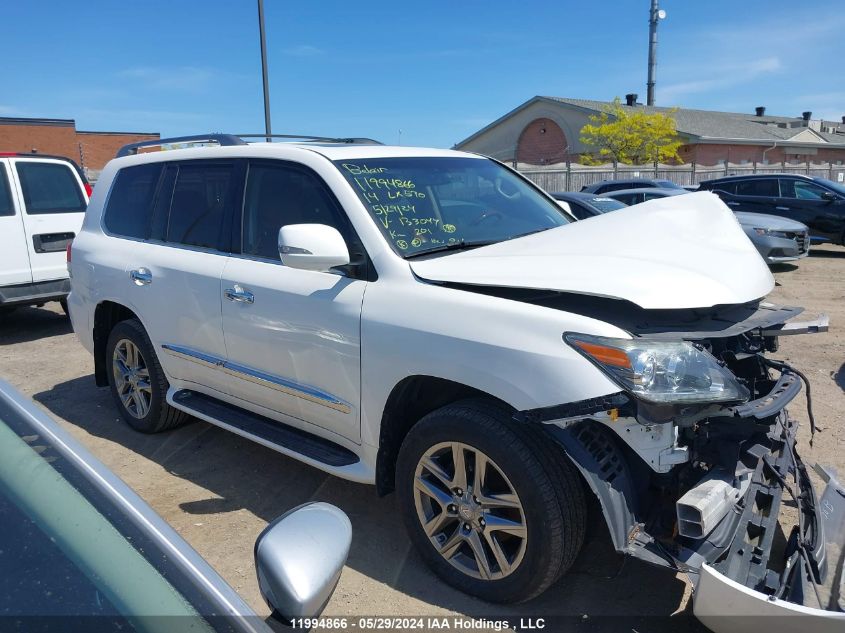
[{"x": 219, "y": 491}]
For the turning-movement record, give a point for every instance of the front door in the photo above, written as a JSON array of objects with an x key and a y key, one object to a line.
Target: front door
[
  {"x": 53, "y": 200},
  {"x": 292, "y": 336},
  {"x": 14, "y": 255},
  {"x": 806, "y": 203}
]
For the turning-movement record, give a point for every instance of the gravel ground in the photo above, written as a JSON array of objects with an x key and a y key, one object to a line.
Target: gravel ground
[{"x": 219, "y": 491}]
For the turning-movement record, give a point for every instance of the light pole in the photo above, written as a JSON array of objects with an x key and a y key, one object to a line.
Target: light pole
[
  {"x": 655, "y": 14},
  {"x": 267, "y": 130}
]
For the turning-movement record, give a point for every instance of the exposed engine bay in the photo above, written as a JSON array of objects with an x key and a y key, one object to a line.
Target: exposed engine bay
[{"x": 715, "y": 490}]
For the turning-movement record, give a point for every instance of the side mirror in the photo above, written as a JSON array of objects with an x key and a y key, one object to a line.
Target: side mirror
[
  {"x": 829, "y": 196},
  {"x": 299, "y": 557},
  {"x": 312, "y": 247}
]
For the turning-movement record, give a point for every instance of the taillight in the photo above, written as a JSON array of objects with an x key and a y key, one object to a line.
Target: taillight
[
  {"x": 89, "y": 189},
  {"x": 67, "y": 251}
]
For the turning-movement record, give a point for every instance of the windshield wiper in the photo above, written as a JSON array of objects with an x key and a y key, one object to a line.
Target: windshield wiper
[{"x": 454, "y": 246}]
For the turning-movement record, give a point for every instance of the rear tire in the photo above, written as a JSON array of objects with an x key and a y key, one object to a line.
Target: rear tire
[
  {"x": 508, "y": 536},
  {"x": 137, "y": 381}
]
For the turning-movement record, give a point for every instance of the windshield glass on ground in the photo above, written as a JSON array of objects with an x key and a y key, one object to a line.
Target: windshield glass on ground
[
  {"x": 607, "y": 204},
  {"x": 422, "y": 204}
]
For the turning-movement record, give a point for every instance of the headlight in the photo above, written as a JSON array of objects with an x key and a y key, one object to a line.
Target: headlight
[
  {"x": 771, "y": 233},
  {"x": 660, "y": 371}
]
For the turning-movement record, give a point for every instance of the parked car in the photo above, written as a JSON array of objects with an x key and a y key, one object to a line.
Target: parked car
[
  {"x": 777, "y": 239},
  {"x": 431, "y": 322},
  {"x": 586, "y": 205},
  {"x": 606, "y": 186},
  {"x": 78, "y": 546},
  {"x": 42, "y": 203},
  {"x": 816, "y": 202}
]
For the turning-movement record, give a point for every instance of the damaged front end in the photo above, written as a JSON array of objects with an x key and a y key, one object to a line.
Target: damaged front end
[{"x": 694, "y": 462}]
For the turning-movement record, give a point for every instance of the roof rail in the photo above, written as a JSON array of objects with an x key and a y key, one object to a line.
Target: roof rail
[
  {"x": 348, "y": 140},
  {"x": 224, "y": 140}
]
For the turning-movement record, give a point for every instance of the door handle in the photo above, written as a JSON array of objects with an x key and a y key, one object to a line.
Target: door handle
[
  {"x": 141, "y": 276},
  {"x": 239, "y": 294},
  {"x": 782, "y": 208}
]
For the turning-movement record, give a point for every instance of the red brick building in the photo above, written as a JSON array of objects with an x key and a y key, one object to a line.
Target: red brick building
[
  {"x": 546, "y": 131},
  {"x": 92, "y": 150}
]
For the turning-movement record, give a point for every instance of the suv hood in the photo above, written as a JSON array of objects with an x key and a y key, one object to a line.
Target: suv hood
[{"x": 680, "y": 252}]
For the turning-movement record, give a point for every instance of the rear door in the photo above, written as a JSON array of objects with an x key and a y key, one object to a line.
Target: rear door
[
  {"x": 757, "y": 195},
  {"x": 14, "y": 256},
  {"x": 172, "y": 279},
  {"x": 53, "y": 200}
]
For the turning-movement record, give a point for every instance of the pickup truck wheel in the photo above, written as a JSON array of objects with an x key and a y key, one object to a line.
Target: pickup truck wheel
[
  {"x": 137, "y": 381},
  {"x": 491, "y": 505}
]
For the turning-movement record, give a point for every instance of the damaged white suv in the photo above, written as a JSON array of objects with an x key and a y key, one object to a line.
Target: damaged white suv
[{"x": 430, "y": 322}]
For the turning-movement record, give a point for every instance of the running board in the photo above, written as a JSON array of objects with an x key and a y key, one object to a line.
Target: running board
[{"x": 269, "y": 431}]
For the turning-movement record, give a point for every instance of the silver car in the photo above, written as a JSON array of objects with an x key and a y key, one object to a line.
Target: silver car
[
  {"x": 83, "y": 552},
  {"x": 777, "y": 239}
]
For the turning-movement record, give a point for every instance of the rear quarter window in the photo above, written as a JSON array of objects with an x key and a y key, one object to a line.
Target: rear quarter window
[
  {"x": 50, "y": 188},
  {"x": 130, "y": 201}
]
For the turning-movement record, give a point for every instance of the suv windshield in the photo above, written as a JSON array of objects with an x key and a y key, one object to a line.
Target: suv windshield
[{"x": 435, "y": 203}]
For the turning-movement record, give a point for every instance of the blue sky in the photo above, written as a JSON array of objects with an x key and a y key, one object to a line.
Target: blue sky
[{"x": 438, "y": 71}]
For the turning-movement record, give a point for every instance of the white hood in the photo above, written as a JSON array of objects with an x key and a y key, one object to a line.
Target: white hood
[{"x": 679, "y": 252}]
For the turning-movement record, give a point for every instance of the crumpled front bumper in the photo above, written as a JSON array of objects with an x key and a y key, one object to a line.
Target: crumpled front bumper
[{"x": 726, "y": 605}]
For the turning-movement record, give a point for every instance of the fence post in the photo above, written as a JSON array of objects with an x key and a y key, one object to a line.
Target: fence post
[
  {"x": 655, "y": 169},
  {"x": 808, "y": 165},
  {"x": 568, "y": 176},
  {"x": 726, "y": 167},
  {"x": 692, "y": 173},
  {"x": 615, "y": 169},
  {"x": 754, "y": 167}
]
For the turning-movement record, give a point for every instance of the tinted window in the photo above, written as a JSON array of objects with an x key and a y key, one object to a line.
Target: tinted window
[
  {"x": 801, "y": 189},
  {"x": 278, "y": 195},
  {"x": 130, "y": 200},
  {"x": 758, "y": 187},
  {"x": 727, "y": 187},
  {"x": 200, "y": 200},
  {"x": 667, "y": 184},
  {"x": 606, "y": 204},
  {"x": 50, "y": 188},
  {"x": 6, "y": 207}
]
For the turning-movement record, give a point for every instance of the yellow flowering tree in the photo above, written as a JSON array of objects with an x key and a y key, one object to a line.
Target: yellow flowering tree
[{"x": 630, "y": 136}]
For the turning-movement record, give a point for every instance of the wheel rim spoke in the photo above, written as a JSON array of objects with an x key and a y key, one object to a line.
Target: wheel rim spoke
[
  {"x": 500, "y": 524},
  {"x": 442, "y": 497},
  {"x": 434, "y": 468},
  {"x": 450, "y": 547},
  {"x": 458, "y": 458},
  {"x": 504, "y": 501},
  {"x": 498, "y": 552},
  {"x": 437, "y": 523},
  {"x": 475, "y": 544},
  {"x": 478, "y": 473}
]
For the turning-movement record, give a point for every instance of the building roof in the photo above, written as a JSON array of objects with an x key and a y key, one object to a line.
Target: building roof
[{"x": 710, "y": 125}]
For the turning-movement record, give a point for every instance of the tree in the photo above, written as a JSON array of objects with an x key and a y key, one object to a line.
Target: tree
[{"x": 631, "y": 137}]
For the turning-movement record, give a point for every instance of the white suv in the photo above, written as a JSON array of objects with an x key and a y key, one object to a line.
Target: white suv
[
  {"x": 42, "y": 203},
  {"x": 430, "y": 322}
]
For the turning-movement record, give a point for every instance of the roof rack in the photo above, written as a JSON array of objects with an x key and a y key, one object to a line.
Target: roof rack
[
  {"x": 224, "y": 140},
  {"x": 228, "y": 140}
]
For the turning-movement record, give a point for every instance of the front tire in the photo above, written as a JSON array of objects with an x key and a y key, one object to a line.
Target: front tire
[
  {"x": 492, "y": 507},
  {"x": 137, "y": 381}
]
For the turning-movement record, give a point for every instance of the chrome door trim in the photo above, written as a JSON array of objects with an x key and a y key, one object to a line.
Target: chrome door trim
[{"x": 277, "y": 383}]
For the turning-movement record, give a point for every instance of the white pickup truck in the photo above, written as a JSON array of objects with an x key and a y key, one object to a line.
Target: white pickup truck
[
  {"x": 42, "y": 203},
  {"x": 430, "y": 322}
]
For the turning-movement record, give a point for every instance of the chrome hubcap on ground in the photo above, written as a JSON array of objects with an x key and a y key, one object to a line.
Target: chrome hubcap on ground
[
  {"x": 132, "y": 378},
  {"x": 470, "y": 511}
]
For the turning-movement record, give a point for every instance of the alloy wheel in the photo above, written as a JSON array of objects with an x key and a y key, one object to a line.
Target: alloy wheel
[
  {"x": 132, "y": 378},
  {"x": 470, "y": 511}
]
